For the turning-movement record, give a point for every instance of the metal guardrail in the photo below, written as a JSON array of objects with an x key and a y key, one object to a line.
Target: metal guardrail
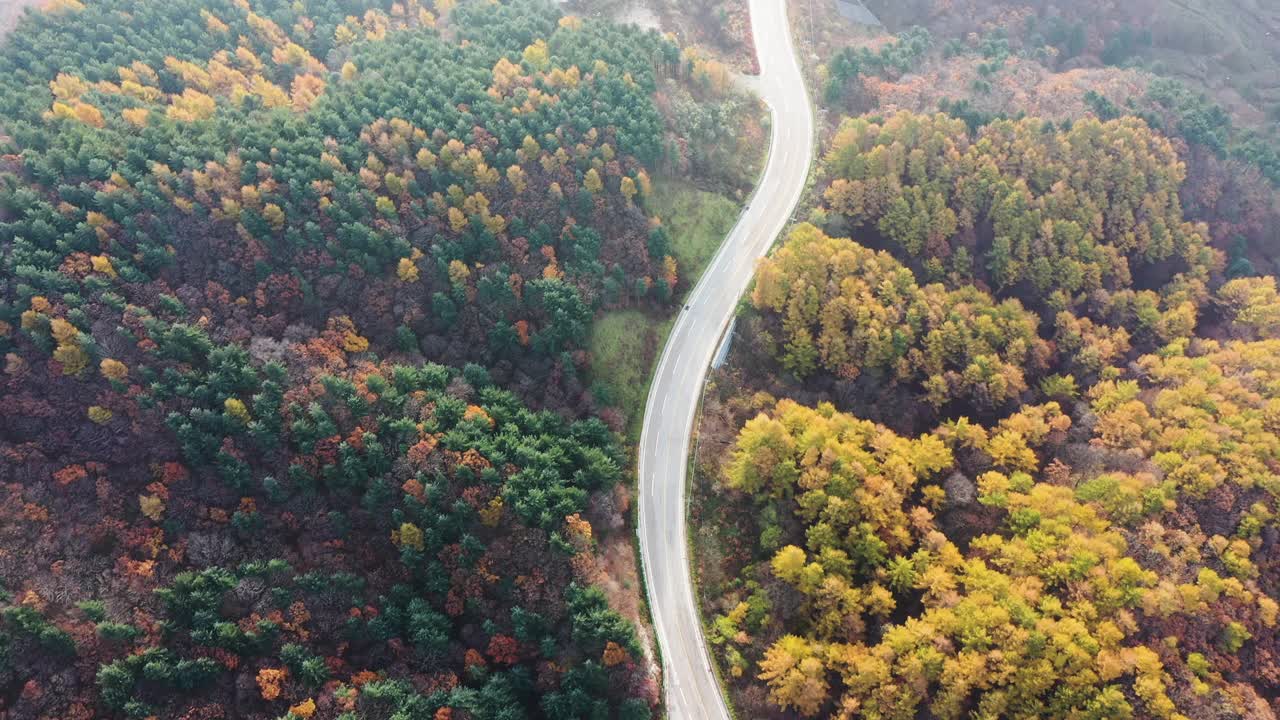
[{"x": 723, "y": 353}]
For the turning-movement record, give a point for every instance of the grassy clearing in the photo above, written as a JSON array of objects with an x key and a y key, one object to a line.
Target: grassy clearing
[
  {"x": 624, "y": 347},
  {"x": 625, "y": 343},
  {"x": 696, "y": 220}
]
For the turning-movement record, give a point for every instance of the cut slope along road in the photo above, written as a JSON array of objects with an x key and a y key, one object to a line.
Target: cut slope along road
[{"x": 691, "y": 688}]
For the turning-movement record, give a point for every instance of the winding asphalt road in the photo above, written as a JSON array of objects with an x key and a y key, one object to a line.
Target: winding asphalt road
[{"x": 691, "y": 687}]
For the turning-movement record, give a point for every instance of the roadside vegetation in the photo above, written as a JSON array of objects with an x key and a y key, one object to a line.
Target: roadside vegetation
[
  {"x": 298, "y": 307},
  {"x": 625, "y": 344},
  {"x": 697, "y": 221},
  {"x": 993, "y": 438},
  {"x": 698, "y": 193}
]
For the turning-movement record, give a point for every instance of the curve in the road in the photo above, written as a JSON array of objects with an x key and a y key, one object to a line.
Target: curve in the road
[{"x": 691, "y": 687}]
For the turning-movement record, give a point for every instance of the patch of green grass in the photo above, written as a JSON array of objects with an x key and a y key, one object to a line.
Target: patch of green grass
[
  {"x": 624, "y": 347},
  {"x": 696, "y": 220}
]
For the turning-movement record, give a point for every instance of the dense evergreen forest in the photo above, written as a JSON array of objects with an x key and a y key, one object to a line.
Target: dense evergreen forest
[
  {"x": 999, "y": 440},
  {"x": 293, "y": 306}
]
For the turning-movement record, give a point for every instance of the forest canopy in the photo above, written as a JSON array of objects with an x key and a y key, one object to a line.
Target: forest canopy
[
  {"x": 1125, "y": 568},
  {"x": 1023, "y": 462},
  {"x": 293, "y": 305},
  {"x": 1043, "y": 254},
  {"x": 242, "y": 162}
]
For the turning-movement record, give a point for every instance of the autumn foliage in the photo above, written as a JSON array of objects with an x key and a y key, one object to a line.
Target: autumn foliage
[
  {"x": 849, "y": 310},
  {"x": 1055, "y": 601},
  {"x": 1065, "y": 505},
  {"x": 1017, "y": 206},
  {"x": 293, "y": 301}
]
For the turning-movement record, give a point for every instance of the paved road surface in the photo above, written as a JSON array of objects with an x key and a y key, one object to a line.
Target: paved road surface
[{"x": 691, "y": 688}]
